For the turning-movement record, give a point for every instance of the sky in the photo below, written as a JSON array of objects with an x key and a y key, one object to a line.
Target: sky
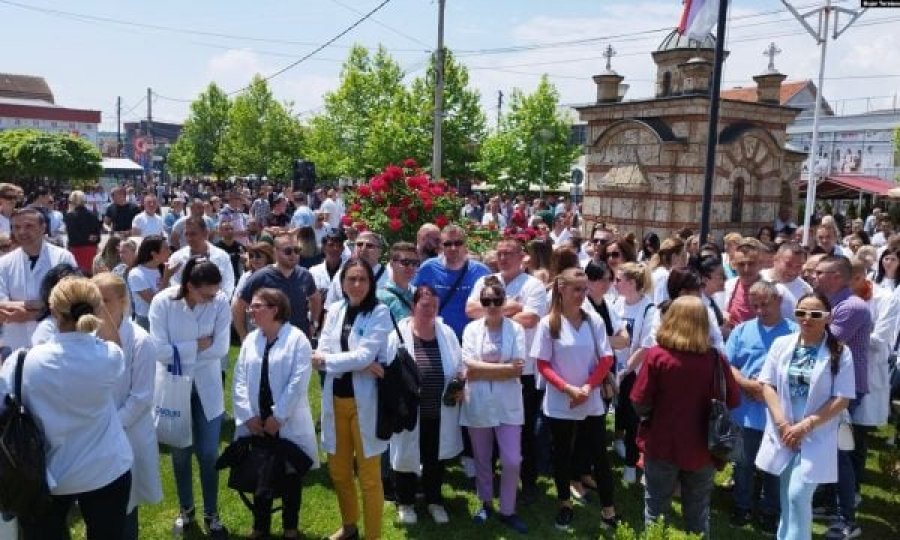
[{"x": 92, "y": 51}]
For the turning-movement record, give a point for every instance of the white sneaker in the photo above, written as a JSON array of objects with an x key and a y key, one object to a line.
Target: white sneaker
[
  {"x": 438, "y": 514},
  {"x": 406, "y": 514},
  {"x": 619, "y": 446},
  {"x": 629, "y": 475}
]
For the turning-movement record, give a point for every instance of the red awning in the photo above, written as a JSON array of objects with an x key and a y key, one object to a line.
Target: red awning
[{"x": 849, "y": 186}]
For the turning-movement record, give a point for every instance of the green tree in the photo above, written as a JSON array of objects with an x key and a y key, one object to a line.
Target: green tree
[
  {"x": 31, "y": 156},
  {"x": 364, "y": 122},
  {"x": 201, "y": 139},
  {"x": 532, "y": 143},
  {"x": 263, "y": 136},
  {"x": 464, "y": 125}
]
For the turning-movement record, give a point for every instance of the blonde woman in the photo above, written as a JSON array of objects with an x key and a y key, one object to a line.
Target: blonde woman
[
  {"x": 69, "y": 385},
  {"x": 671, "y": 254},
  {"x": 133, "y": 394}
]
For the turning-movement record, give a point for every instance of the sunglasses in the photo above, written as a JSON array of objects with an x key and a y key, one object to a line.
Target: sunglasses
[
  {"x": 614, "y": 254},
  {"x": 810, "y": 314},
  {"x": 453, "y": 243},
  {"x": 599, "y": 241},
  {"x": 488, "y": 301},
  {"x": 367, "y": 245},
  {"x": 408, "y": 263},
  {"x": 291, "y": 251}
]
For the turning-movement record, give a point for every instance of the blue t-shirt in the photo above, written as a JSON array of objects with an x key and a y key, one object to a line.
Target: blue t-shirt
[
  {"x": 746, "y": 349},
  {"x": 434, "y": 273}
]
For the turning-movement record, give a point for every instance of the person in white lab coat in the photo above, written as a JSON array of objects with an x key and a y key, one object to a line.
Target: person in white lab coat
[
  {"x": 68, "y": 384},
  {"x": 808, "y": 381},
  {"x": 21, "y": 274},
  {"x": 193, "y": 320},
  {"x": 271, "y": 381},
  {"x": 133, "y": 394},
  {"x": 437, "y": 436},
  {"x": 352, "y": 341}
]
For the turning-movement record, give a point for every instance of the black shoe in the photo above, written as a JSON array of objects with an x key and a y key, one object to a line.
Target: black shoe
[
  {"x": 514, "y": 522},
  {"x": 767, "y": 524},
  {"x": 564, "y": 518},
  {"x": 739, "y": 518},
  {"x": 214, "y": 527}
]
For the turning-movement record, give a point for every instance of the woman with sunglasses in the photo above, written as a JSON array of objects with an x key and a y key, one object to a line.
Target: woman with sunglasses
[
  {"x": 634, "y": 284},
  {"x": 437, "y": 436},
  {"x": 271, "y": 381},
  {"x": 193, "y": 320},
  {"x": 493, "y": 351},
  {"x": 351, "y": 343},
  {"x": 808, "y": 381},
  {"x": 573, "y": 356}
]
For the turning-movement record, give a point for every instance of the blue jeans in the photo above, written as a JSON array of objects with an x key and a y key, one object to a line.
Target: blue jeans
[
  {"x": 745, "y": 473},
  {"x": 796, "y": 503},
  {"x": 696, "y": 486},
  {"x": 206, "y": 447}
]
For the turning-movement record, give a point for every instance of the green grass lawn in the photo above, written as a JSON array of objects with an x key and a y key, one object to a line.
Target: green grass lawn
[{"x": 879, "y": 514}]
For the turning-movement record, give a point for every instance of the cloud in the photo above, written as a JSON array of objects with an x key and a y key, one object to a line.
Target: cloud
[{"x": 234, "y": 68}]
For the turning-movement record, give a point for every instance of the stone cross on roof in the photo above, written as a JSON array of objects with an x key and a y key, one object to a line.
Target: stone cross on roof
[
  {"x": 771, "y": 51},
  {"x": 608, "y": 53}
]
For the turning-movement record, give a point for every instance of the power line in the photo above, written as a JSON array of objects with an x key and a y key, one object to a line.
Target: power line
[
  {"x": 173, "y": 29},
  {"x": 379, "y": 23}
]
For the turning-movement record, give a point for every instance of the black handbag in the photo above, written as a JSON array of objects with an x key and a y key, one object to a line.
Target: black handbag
[{"x": 724, "y": 438}]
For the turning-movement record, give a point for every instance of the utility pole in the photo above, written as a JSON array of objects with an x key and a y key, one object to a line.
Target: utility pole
[
  {"x": 150, "y": 115},
  {"x": 820, "y": 34},
  {"x": 119, "y": 126},
  {"x": 437, "y": 152},
  {"x": 499, "y": 107}
]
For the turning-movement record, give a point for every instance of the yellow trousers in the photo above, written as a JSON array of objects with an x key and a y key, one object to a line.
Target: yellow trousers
[{"x": 349, "y": 446}]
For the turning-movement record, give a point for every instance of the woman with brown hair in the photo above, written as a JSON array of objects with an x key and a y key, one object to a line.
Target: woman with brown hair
[
  {"x": 671, "y": 255},
  {"x": 574, "y": 357},
  {"x": 672, "y": 394}
]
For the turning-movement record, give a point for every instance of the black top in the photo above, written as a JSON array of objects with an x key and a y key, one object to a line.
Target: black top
[
  {"x": 266, "y": 401},
  {"x": 122, "y": 216},
  {"x": 83, "y": 227},
  {"x": 235, "y": 250},
  {"x": 343, "y": 385},
  {"x": 279, "y": 220}
]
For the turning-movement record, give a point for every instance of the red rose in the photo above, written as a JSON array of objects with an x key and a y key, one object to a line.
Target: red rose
[
  {"x": 392, "y": 212},
  {"x": 355, "y": 207},
  {"x": 412, "y": 215},
  {"x": 364, "y": 190},
  {"x": 395, "y": 224},
  {"x": 410, "y": 163},
  {"x": 393, "y": 172},
  {"x": 405, "y": 201},
  {"x": 437, "y": 190},
  {"x": 360, "y": 226},
  {"x": 427, "y": 204},
  {"x": 347, "y": 221},
  {"x": 441, "y": 221},
  {"x": 379, "y": 184}
]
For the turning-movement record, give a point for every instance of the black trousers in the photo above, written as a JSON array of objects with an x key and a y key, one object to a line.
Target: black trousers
[
  {"x": 290, "y": 507},
  {"x": 103, "y": 511},
  {"x": 432, "y": 467},
  {"x": 627, "y": 419},
  {"x": 531, "y": 403},
  {"x": 590, "y": 432}
]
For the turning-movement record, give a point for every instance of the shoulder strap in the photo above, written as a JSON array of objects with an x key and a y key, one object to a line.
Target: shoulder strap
[
  {"x": 455, "y": 286},
  {"x": 399, "y": 297},
  {"x": 379, "y": 274},
  {"x": 396, "y": 328},
  {"x": 718, "y": 378},
  {"x": 20, "y": 362}
]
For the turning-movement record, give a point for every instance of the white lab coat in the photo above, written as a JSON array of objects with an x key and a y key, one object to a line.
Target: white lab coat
[
  {"x": 133, "y": 395},
  {"x": 874, "y": 407},
  {"x": 216, "y": 256},
  {"x": 19, "y": 282},
  {"x": 289, "y": 373},
  {"x": 367, "y": 343},
  {"x": 491, "y": 403},
  {"x": 68, "y": 386},
  {"x": 174, "y": 324},
  {"x": 818, "y": 451},
  {"x": 405, "y": 445}
]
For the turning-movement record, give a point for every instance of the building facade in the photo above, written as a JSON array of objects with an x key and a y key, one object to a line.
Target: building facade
[{"x": 26, "y": 102}]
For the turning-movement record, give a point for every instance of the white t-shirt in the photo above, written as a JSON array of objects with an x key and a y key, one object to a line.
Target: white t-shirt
[
  {"x": 488, "y": 218},
  {"x": 4, "y": 225},
  {"x": 798, "y": 287},
  {"x": 660, "y": 285},
  {"x": 638, "y": 319},
  {"x": 141, "y": 278},
  {"x": 334, "y": 214},
  {"x": 149, "y": 224},
  {"x": 573, "y": 357},
  {"x": 528, "y": 291},
  {"x": 563, "y": 237}
]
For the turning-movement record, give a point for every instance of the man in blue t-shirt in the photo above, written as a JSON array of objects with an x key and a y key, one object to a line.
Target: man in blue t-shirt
[
  {"x": 452, "y": 275},
  {"x": 746, "y": 350}
]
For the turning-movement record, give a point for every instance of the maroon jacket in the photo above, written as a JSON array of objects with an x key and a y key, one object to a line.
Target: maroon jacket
[{"x": 677, "y": 387}]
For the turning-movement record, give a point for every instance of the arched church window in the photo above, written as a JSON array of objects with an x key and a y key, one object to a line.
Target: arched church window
[{"x": 737, "y": 200}]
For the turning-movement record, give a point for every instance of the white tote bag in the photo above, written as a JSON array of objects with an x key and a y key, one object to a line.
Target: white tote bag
[{"x": 172, "y": 404}]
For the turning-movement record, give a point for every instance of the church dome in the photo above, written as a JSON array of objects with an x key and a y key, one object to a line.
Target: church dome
[{"x": 675, "y": 41}]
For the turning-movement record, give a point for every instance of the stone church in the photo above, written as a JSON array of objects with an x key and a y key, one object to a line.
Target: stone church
[{"x": 645, "y": 158}]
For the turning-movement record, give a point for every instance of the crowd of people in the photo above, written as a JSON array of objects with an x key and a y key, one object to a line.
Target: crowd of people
[{"x": 522, "y": 353}]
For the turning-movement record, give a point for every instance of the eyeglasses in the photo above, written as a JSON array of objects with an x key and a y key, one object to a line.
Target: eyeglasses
[
  {"x": 810, "y": 314},
  {"x": 599, "y": 240},
  {"x": 366, "y": 245},
  {"x": 290, "y": 251},
  {"x": 453, "y": 243},
  {"x": 408, "y": 263},
  {"x": 614, "y": 254},
  {"x": 257, "y": 307},
  {"x": 487, "y": 301}
]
